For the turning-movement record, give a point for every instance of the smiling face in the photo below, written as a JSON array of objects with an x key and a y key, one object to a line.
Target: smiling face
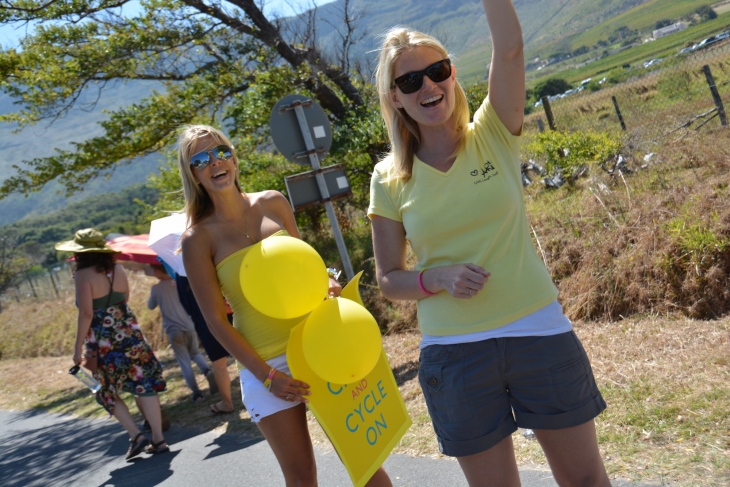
[
  {"x": 433, "y": 104},
  {"x": 219, "y": 173}
]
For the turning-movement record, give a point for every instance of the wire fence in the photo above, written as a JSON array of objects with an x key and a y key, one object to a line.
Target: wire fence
[
  {"x": 649, "y": 102},
  {"x": 56, "y": 282}
]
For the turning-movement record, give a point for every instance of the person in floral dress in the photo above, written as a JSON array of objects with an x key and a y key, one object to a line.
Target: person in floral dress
[{"x": 117, "y": 352}]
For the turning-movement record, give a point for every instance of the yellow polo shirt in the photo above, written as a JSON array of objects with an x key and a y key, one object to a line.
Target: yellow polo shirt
[{"x": 473, "y": 213}]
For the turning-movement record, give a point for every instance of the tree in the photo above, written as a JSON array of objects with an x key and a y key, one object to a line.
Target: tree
[
  {"x": 13, "y": 262},
  {"x": 580, "y": 50},
  {"x": 662, "y": 23},
  {"x": 623, "y": 32},
  {"x": 706, "y": 13},
  {"x": 217, "y": 62},
  {"x": 550, "y": 87}
]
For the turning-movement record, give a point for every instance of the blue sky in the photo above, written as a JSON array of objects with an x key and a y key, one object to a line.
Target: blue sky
[{"x": 10, "y": 35}]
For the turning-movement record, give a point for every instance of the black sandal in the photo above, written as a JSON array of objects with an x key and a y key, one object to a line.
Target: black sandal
[
  {"x": 136, "y": 447},
  {"x": 154, "y": 448}
]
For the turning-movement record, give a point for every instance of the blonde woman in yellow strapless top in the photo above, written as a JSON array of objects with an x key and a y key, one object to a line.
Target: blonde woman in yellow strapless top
[{"x": 223, "y": 222}]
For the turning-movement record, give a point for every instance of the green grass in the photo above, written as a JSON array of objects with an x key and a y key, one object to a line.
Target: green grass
[
  {"x": 642, "y": 18},
  {"x": 664, "y": 47}
]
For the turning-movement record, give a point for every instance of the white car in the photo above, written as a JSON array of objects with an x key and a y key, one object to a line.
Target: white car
[
  {"x": 707, "y": 42},
  {"x": 652, "y": 62}
]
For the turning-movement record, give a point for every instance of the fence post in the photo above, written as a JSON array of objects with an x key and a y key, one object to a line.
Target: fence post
[
  {"x": 715, "y": 94},
  {"x": 618, "y": 112},
  {"x": 32, "y": 287},
  {"x": 540, "y": 125},
  {"x": 548, "y": 112},
  {"x": 50, "y": 274}
]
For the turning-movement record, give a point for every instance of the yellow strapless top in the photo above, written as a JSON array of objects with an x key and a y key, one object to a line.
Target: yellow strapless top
[{"x": 268, "y": 336}]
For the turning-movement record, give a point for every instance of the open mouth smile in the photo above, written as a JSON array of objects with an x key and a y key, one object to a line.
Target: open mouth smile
[{"x": 433, "y": 101}]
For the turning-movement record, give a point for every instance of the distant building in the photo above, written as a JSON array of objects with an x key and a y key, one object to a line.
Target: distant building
[{"x": 670, "y": 29}]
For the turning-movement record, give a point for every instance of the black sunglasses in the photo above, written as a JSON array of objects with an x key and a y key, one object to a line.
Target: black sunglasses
[
  {"x": 412, "y": 82},
  {"x": 202, "y": 159}
]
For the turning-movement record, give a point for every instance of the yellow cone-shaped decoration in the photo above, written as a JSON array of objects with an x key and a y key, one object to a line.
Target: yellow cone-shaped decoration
[
  {"x": 283, "y": 277},
  {"x": 352, "y": 290},
  {"x": 341, "y": 341}
]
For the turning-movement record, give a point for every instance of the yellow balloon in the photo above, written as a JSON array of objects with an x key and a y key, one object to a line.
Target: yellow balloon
[
  {"x": 283, "y": 277},
  {"x": 341, "y": 341}
]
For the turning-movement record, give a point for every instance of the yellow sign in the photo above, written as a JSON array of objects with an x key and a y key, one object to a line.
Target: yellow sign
[{"x": 364, "y": 420}]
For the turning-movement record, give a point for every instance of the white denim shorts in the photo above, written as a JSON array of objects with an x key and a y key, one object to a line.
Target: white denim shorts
[{"x": 258, "y": 400}]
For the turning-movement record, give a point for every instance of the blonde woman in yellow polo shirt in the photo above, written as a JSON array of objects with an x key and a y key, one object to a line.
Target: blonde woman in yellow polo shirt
[
  {"x": 223, "y": 222},
  {"x": 497, "y": 351}
]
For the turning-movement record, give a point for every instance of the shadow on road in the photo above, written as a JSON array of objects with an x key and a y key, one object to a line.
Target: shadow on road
[{"x": 63, "y": 449}]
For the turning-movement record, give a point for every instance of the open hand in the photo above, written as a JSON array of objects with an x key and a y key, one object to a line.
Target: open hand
[{"x": 288, "y": 388}]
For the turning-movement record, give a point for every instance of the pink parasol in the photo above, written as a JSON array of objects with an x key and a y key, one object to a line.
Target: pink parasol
[{"x": 134, "y": 248}]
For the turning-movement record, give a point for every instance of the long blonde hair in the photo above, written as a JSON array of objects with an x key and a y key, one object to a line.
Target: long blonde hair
[
  {"x": 405, "y": 137},
  {"x": 198, "y": 204}
]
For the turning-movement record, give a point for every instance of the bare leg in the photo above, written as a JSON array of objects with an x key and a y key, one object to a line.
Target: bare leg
[
  {"x": 121, "y": 412},
  {"x": 573, "y": 456},
  {"x": 288, "y": 435},
  {"x": 379, "y": 479},
  {"x": 223, "y": 380},
  {"x": 495, "y": 467},
  {"x": 150, "y": 407}
]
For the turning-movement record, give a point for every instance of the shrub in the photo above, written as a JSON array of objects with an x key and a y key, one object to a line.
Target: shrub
[
  {"x": 552, "y": 86},
  {"x": 565, "y": 152}
]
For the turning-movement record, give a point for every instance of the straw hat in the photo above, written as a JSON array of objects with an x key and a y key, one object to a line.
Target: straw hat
[{"x": 86, "y": 240}]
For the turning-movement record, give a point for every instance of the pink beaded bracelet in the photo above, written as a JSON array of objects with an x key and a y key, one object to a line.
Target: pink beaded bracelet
[
  {"x": 420, "y": 284},
  {"x": 269, "y": 380}
]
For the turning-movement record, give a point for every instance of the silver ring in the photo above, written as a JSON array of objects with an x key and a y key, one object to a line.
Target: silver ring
[{"x": 288, "y": 396}]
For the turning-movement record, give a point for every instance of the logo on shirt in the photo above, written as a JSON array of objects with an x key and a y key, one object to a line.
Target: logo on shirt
[{"x": 485, "y": 173}]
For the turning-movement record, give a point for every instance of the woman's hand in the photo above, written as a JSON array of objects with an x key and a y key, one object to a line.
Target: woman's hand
[
  {"x": 289, "y": 389},
  {"x": 78, "y": 357},
  {"x": 462, "y": 281},
  {"x": 334, "y": 289}
]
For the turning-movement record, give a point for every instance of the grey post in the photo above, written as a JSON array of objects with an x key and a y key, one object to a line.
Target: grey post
[
  {"x": 548, "y": 112},
  {"x": 540, "y": 125},
  {"x": 715, "y": 94},
  {"x": 618, "y": 112},
  {"x": 32, "y": 287},
  {"x": 314, "y": 160},
  {"x": 50, "y": 275}
]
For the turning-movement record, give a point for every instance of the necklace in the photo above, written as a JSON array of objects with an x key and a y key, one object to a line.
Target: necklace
[{"x": 245, "y": 213}]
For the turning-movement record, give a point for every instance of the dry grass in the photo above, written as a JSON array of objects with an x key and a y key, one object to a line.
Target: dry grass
[
  {"x": 652, "y": 101},
  {"x": 42, "y": 327},
  {"x": 653, "y": 242},
  {"x": 665, "y": 381}
]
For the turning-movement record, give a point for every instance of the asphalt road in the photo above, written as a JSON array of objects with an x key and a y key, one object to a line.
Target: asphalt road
[{"x": 40, "y": 449}]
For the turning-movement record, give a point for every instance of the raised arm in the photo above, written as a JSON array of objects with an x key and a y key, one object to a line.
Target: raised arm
[{"x": 507, "y": 71}]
